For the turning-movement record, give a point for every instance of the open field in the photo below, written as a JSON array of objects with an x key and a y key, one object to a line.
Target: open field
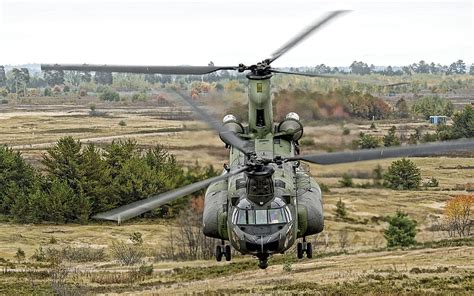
[{"x": 365, "y": 266}]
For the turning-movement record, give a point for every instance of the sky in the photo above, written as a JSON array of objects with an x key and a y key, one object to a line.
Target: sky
[{"x": 184, "y": 32}]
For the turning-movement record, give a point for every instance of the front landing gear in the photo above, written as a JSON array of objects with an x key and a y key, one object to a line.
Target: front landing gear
[
  {"x": 304, "y": 247},
  {"x": 262, "y": 261},
  {"x": 223, "y": 250}
]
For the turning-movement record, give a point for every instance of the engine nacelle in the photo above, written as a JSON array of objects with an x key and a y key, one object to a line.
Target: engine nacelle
[
  {"x": 291, "y": 127},
  {"x": 230, "y": 123}
]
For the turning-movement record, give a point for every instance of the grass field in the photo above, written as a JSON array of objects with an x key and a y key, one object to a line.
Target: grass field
[{"x": 363, "y": 266}]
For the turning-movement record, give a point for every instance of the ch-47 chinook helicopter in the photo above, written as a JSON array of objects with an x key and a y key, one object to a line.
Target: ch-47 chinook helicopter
[{"x": 264, "y": 201}]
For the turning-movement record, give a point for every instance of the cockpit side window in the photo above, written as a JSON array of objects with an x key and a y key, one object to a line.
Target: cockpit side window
[
  {"x": 276, "y": 216},
  {"x": 242, "y": 217}
]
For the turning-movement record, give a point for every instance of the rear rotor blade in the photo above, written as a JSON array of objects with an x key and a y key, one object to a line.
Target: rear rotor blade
[
  {"x": 370, "y": 154},
  {"x": 139, "y": 207},
  {"x": 339, "y": 77},
  {"x": 304, "y": 34},
  {"x": 227, "y": 136},
  {"x": 167, "y": 70}
]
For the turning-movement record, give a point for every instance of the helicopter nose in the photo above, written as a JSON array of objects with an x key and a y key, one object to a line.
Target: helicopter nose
[{"x": 263, "y": 244}]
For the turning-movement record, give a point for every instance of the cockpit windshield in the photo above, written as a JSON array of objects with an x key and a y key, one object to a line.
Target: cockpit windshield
[{"x": 259, "y": 217}]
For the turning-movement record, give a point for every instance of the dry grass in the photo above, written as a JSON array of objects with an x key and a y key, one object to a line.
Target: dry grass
[{"x": 42, "y": 125}]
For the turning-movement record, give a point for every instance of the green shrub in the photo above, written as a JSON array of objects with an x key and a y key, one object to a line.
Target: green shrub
[
  {"x": 20, "y": 255},
  {"x": 401, "y": 230},
  {"x": 287, "y": 266},
  {"x": 127, "y": 254},
  {"x": 366, "y": 141},
  {"x": 324, "y": 188},
  {"x": 109, "y": 95},
  {"x": 346, "y": 181},
  {"x": 391, "y": 139},
  {"x": 378, "y": 174},
  {"x": 340, "y": 209},
  {"x": 136, "y": 238},
  {"x": 463, "y": 123},
  {"x": 429, "y": 138},
  {"x": 140, "y": 97},
  {"x": 4, "y": 101},
  {"x": 82, "y": 254},
  {"x": 122, "y": 123},
  {"x": 39, "y": 255},
  {"x": 432, "y": 182},
  {"x": 403, "y": 174},
  {"x": 346, "y": 131},
  {"x": 146, "y": 269},
  {"x": 463, "y": 126},
  {"x": 433, "y": 105}
]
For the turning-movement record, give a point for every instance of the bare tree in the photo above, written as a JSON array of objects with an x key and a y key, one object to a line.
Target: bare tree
[
  {"x": 195, "y": 245},
  {"x": 343, "y": 238}
]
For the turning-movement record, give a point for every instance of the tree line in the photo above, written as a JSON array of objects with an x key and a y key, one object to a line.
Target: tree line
[
  {"x": 362, "y": 68},
  {"x": 78, "y": 181},
  {"x": 22, "y": 77}
]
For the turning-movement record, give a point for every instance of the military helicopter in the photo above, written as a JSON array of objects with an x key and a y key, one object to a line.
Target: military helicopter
[{"x": 265, "y": 200}]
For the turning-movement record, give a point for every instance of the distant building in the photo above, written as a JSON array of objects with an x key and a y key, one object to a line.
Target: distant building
[{"x": 438, "y": 119}]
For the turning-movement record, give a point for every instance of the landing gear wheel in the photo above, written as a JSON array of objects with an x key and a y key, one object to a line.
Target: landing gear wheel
[
  {"x": 228, "y": 253},
  {"x": 262, "y": 260},
  {"x": 218, "y": 253},
  {"x": 309, "y": 250},
  {"x": 299, "y": 250}
]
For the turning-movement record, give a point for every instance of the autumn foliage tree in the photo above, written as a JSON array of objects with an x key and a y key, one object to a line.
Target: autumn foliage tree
[
  {"x": 458, "y": 214},
  {"x": 336, "y": 104}
]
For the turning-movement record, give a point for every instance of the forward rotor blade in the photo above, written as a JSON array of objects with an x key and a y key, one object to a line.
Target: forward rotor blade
[
  {"x": 231, "y": 138},
  {"x": 339, "y": 77},
  {"x": 228, "y": 136},
  {"x": 370, "y": 154},
  {"x": 139, "y": 207},
  {"x": 304, "y": 34},
  {"x": 167, "y": 70}
]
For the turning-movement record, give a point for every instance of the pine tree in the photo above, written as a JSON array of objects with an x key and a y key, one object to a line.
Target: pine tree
[
  {"x": 391, "y": 138},
  {"x": 401, "y": 230},
  {"x": 403, "y": 174}
]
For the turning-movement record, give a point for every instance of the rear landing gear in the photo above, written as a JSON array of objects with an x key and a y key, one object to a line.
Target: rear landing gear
[
  {"x": 223, "y": 251},
  {"x": 304, "y": 247}
]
